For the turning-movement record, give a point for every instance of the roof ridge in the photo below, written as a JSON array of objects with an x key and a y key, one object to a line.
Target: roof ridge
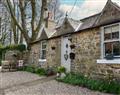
[
  {"x": 90, "y": 16},
  {"x": 101, "y": 13},
  {"x": 116, "y": 5}
]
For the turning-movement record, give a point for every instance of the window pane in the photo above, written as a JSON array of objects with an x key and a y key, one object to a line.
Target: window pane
[
  {"x": 112, "y": 48},
  {"x": 43, "y": 50},
  {"x": 107, "y": 36},
  {"x": 116, "y": 48},
  {"x": 115, "y": 35},
  {"x": 107, "y": 30},
  {"x": 43, "y": 54},
  {"x": 111, "y": 32},
  {"x": 108, "y": 48},
  {"x": 107, "y": 33},
  {"x": 115, "y": 28}
]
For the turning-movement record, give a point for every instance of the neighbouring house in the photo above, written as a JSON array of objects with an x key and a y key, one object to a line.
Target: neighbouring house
[{"x": 90, "y": 46}]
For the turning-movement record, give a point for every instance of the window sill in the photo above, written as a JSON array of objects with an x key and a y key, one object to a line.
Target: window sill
[
  {"x": 42, "y": 60},
  {"x": 104, "y": 61}
]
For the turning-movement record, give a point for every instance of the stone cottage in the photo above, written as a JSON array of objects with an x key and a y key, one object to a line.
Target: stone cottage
[{"x": 90, "y": 46}]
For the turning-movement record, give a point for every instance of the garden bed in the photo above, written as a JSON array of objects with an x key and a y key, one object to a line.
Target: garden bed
[{"x": 98, "y": 85}]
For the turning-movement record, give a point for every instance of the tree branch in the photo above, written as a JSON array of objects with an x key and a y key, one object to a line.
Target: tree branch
[
  {"x": 23, "y": 20},
  {"x": 43, "y": 7},
  {"x": 33, "y": 16},
  {"x": 12, "y": 14}
]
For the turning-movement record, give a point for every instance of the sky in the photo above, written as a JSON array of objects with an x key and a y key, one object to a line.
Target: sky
[{"x": 83, "y": 8}]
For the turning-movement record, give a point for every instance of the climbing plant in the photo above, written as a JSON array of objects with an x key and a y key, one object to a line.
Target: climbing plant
[{"x": 3, "y": 49}]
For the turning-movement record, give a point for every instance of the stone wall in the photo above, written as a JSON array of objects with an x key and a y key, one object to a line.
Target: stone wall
[
  {"x": 35, "y": 54},
  {"x": 54, "y": 52},
  {"x": 87, "y": 51}
]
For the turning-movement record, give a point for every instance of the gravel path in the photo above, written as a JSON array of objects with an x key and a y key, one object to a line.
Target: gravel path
[
  {"x": 8, "y": 79},
  {"x": 24, "y": 83},
  {"x": 51, "y": 88}
]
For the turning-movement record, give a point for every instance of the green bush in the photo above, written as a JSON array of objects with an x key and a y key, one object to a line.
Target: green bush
[
  {"x": 20, "y": 47},
  {"x": 33, "y": 69},
  {"x": 99, "y": 85},
  {"x": 40, "y": 71},
  {"x": 30, "y": 69},
  {"x": 61, "y": 69},
  {"x": 3, "y": 49}
]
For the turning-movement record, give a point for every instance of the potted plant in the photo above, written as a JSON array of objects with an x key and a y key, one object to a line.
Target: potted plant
[
  {"x": 50, "y": 71},
  {"x": 61, "y": 71},
  {"x": 72, "y": 46},
  {"x": 109, "y": 56}
]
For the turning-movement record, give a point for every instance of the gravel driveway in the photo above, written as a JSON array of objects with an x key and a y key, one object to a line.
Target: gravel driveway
[
  {"x": 51, "y": 88},
  {"x": 24, "y": 83},
  {"x": 8, "y": 79}
]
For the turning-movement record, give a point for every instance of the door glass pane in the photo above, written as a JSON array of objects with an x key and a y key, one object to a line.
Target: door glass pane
[{"x": 43, "y": 46}]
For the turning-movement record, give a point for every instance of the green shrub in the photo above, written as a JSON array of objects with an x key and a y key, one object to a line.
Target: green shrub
[
  {"x": 33, "y": 69},
  {"x": 61, "y": 69},
  {"x": 99, "y": 85},
  {"x": 21, "y": 47},
  {"x": 30, "y": 69},
  {"x": 40, "y": 71}
]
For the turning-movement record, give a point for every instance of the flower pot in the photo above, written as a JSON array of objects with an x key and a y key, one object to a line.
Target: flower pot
[
  {"x": 72, "y": 46},
  {"x": 109, "y": 57}
]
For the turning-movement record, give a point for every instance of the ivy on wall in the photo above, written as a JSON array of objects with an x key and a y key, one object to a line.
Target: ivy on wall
[{"x": 3, "y": 49}]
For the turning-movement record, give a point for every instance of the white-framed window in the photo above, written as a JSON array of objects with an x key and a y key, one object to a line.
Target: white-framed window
[
  {"x": 111, "y": 40},
  {"x": 43, "y": 50}
]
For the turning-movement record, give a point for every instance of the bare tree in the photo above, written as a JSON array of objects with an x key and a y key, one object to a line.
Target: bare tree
[
  {"x": 4, "y": 30},
  {"x": 4, "y": 25},
  {"x": 22, "y": 23}
]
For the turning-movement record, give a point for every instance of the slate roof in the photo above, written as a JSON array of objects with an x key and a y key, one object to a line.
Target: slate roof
[
  {"x": 93, "y": 21},
  {"x": 77, "y": 26},
  {"x": 88, "y": 22},
  {"x": 46, "y": 32},
  {"x": 65, "y": 26},
  {"x": 43, "y": 35},
  {"x": 74, "y": 23}
]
